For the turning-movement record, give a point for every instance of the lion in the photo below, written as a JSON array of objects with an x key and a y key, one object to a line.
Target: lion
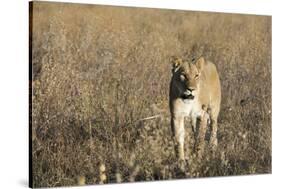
[{"x": 194, "y": 84}]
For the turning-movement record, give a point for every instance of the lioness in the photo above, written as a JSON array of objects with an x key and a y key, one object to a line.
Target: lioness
[{"x": 194, "y": 84}]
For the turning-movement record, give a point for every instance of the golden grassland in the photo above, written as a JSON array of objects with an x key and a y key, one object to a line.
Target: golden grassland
[{"x": 98, "y": 71}]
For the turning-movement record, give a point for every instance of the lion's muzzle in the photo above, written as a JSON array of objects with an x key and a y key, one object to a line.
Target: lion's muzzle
[{"x": 188, "y": 95}]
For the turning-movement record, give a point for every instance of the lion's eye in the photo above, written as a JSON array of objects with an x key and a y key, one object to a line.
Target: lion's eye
[
  {"x": 182, "y": 77},
  {"x": 196, "y": 76}
]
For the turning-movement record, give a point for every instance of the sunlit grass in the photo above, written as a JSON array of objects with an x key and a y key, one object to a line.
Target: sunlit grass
[{"x": 99, "y": 71}]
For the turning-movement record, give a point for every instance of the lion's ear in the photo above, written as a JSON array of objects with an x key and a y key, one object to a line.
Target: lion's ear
[
  {"x": 176, "y": 62},
  {"x": 200, "y": 63}
]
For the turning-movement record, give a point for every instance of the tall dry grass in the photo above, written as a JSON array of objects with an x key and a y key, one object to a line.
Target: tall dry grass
[{"x": 97, "y": 71}]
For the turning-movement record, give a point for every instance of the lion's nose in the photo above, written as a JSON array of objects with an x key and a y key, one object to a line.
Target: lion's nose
[{"x": 191, "y": 89}]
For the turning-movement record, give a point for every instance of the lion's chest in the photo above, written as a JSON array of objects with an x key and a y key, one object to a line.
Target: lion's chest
[{"x": 187, "y": 108}]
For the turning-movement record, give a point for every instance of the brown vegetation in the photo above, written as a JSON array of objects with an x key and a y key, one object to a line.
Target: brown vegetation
[{"x": 99, "y": 70}]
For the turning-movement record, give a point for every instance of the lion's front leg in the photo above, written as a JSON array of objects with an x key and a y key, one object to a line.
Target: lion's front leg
[
  {"x": 202, "y": 123},
  {"x": 194, "y": 125},
  {"x": 178, "y": 131}
]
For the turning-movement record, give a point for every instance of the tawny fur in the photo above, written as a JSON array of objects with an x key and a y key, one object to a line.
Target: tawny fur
[{"x": 194, "y": 84}]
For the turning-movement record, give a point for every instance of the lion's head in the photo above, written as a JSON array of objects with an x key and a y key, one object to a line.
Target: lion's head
[{"x": 186, "y": 76}]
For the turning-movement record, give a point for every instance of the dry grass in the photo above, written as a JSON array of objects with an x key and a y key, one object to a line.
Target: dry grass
[{"x": 98, "y": 71}]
